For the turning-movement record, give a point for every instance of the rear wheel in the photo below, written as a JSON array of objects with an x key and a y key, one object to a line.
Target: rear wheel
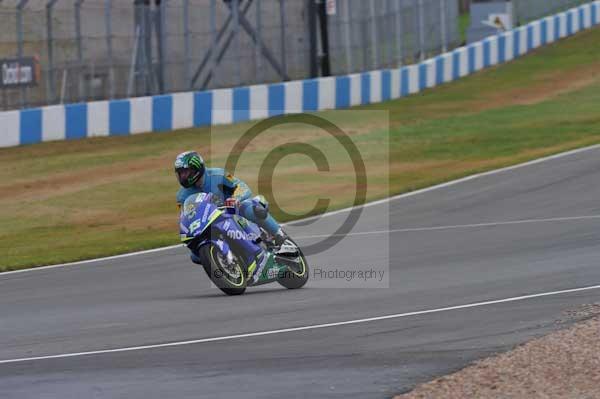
[
  {"x": 229, "y": 277},
  {"x": 297, "y": 271}
]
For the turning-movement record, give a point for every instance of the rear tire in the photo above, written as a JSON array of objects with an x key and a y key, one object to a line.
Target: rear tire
[
  {"x": 294, "y": 279},
  {"x": 230, "y": 280}
]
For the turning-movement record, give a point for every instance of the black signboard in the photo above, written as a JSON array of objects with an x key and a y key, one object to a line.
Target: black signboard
[{"x": 19, "y": 72}]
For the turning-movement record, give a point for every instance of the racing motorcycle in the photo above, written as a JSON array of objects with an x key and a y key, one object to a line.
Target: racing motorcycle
[{"x": 236, "y": 253}]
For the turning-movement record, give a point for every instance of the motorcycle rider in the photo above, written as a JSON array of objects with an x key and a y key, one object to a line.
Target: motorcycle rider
[{"x": 195, "y": 178}]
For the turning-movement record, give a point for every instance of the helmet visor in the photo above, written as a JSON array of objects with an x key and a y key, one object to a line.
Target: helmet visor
[{"x": 184, "y": 175}]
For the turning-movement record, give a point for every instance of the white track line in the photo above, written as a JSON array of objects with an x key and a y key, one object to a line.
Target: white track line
[
  {"x": 382, "y": 201},
  {"x": 83, "y": 262},
  {"x": 458, "y": 181},
  {"x": 457, "y": 226},
  {"x": 303, "y": 328}
]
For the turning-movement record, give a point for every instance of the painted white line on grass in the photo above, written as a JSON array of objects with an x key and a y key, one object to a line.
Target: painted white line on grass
[
  {"x": 457, "y": 226},
  {"x": 382, "y": 201},
  {"x": 303, "y": 328}
]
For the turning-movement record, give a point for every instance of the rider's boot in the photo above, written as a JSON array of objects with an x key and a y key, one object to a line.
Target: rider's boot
[
  {"x": 282, "y": 246},
  {"x": 280, "y": 237}
]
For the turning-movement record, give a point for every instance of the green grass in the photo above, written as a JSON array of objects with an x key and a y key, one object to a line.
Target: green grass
[{"x": 67, "y": 201}]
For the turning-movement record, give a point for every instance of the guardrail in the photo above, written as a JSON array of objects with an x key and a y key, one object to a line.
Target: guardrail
[{"x": 226, "y": 106}]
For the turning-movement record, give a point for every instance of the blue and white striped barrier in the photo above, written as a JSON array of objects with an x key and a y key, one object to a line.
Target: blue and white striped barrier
[{"x": 226, "y": 106}]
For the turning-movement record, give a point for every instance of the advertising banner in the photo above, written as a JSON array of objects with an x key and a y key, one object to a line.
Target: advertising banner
[{"x": 19, "y": 72}]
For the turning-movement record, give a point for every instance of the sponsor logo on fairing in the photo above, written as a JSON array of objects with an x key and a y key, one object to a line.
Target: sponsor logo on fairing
[
  {"x": 195, "y": 226},
  {"x": 240, "y": 235},
  {"x": 205, "y": 214},
  {"x": 201, "y": 197},
  {"x": 272, "y": 273},
  {"x": 236, "y": 235},
  {"x": 190, "y": 211}
]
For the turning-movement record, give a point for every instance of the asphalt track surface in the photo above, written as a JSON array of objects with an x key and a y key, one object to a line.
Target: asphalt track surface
[{"x": 474, "y": 256}]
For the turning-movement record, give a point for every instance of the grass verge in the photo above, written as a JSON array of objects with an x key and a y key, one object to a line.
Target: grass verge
[{"x": 67, "y": 201}]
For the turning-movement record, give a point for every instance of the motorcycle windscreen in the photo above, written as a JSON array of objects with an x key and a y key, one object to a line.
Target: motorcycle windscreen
[{"x": 197, "y": 213}]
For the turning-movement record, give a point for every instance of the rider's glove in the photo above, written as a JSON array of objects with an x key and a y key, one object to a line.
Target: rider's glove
[{"x": 232, "y": 203}]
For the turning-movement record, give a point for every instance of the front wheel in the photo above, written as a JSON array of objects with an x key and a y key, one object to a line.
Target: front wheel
[
  {"x": 297, "y": 272},
  {"x": 228, "y": 277}
]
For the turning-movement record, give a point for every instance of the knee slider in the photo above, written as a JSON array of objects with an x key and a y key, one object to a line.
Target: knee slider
[{"x": 260, "y": 211}]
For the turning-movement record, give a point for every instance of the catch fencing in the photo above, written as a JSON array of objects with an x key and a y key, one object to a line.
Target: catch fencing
[
  {"x": 90, "y": 50},
  {"x": 224, "y": 106},
  {"x": 529, "y": 10}
]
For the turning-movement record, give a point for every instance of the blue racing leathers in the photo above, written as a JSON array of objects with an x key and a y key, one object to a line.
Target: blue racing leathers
[{"x": 223, "y": 185}]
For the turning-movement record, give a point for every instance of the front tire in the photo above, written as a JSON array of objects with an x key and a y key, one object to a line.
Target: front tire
[
  {"x": 295, "y": 277},
  {"x": 231, "y": 279}
]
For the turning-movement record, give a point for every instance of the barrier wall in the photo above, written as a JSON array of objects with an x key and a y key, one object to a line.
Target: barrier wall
[{"x": 225, "y": 106}]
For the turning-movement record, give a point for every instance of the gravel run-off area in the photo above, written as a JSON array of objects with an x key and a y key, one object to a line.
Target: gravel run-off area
[{"x": 563, "y": 364}]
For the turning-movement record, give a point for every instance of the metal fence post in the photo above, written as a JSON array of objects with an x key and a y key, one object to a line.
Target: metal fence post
[
  {"x": 421, "y": 20},
  {"x": 238, "y": 44},
  {"x": 161, "y": 27},
  {"x": 283, "y": 33},
  {"x": 374, "y": 43},
  {"x": 139, "y": 26},
  {"x": 50, "y": 92},
  {"x": 186, "y": 41},
  {"x": 214, "y": 38},
  {"x": 364, "y": 34},
  {"x": 109, "y": 47},
  {"x": 443, "y": 25},
  {"x": 399, "y": 33},
  {"x": 83, "y": 89},
  {"x": 134, "y": 60},
  {"x": 4, "y": 94},
  {"x": 389, "y": 33},
  {"x": 348, "y": 37},
  {"x": 20, "y": 6},
  {"x": 146, "y": 69},
  {"x": 334, "y": 46},
  {"x": 313, "y": 30},
  {"x": 325, "y": 51},
  {"x": 258, "y": 46}
]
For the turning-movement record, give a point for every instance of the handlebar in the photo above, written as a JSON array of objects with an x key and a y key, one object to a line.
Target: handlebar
[{"x": 232, "y": 210}]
